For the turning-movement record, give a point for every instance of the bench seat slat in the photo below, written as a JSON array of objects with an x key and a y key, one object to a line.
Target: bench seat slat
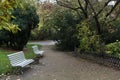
[
  {"x": 40, "y": 52},
  {"x": 24, "y": 63}
]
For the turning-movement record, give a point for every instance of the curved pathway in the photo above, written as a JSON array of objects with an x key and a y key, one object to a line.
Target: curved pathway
[{"x": 58, "y": 65}]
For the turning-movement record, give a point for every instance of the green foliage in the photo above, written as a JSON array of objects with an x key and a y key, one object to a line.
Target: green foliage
[
  {"x": 43, "y": 33},
  {"x": 35, "y": 34},
  {"x": 46, "y": 27},
  {"x": 113, "y": 49},
  {"x": 110, "y": 33},
  {"x": 89, "y": 41},
  {"x": 4, "y": 37},
  {"x": 6, "y": 6},
  {"x": 4, "y": 63},
  {"x": 27, "y": 19},
  {"x": 64, "y": 22}
]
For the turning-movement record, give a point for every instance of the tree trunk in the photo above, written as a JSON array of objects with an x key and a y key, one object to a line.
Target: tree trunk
[
  {"x": 28, "y": 36},
  {"x": 98, "y": 26}
]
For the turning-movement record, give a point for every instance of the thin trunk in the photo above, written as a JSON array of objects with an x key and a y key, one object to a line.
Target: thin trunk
[{"x": 98, "y": 25}]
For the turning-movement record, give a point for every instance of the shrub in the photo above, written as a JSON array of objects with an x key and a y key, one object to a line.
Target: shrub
[
  {"x": 113, "y": 49},
  {"x": 66, "y": 32},
  {"x": 110, "y": 33},
  {"x": 26, "y": 19},
  {"x": 41, "y": 34},
  {"x": 89, "y": 41}
]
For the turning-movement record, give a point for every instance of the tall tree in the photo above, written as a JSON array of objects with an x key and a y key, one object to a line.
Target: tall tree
[
  {"x": 26, "y": 19},
  {"x": 96, "y": 10}
]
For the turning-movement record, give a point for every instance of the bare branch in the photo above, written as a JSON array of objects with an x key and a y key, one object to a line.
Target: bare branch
[
  {"x": 83, "y": 10},
  {"x": 116, "y": 16},
  {"x": 66, "y": 5},
  {"x": 98, "y": 26},
  {"x": 105, "y": 5},
  {"x": 86, "y": 5},
  {"x": 116, "y": 4}
]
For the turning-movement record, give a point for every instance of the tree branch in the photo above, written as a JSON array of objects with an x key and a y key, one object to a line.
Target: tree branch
[
  {"x": 83, "y": 10},
  {"x": 86, "y": 5},
  {"x": 118, "y": 13},
  {"x": 67, "y": 6},
  {"x": 116, "y": 4},
  {"x": 105, "y": 5},
  {"x": 98, "y": 26}
]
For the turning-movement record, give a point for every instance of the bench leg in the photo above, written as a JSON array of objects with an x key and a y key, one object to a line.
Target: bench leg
[
  {"x": 21, "y": 70},
  {"x": 17, "y": 70},
  {"x": 36, "y": 60}
]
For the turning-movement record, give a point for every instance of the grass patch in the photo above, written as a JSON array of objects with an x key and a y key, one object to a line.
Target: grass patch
[
  {"x": 29, "y": 51},
  {"x": 5, "y": 66}
]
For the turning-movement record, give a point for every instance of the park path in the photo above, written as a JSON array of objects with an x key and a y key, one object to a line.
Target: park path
[{"x": 58, "y": 65}]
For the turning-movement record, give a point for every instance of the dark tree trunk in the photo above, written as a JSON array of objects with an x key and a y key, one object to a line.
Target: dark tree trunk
[
  {"x": 98, "y": 26},
  {"x": 28, "y": 36}
]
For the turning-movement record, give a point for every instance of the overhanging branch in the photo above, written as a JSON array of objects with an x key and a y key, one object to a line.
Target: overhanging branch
[
  {"x": 116, "y": 4},
  {"x": 67, "y": 6}
]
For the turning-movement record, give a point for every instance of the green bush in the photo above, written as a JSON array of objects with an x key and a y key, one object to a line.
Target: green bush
[
  {"x": 89, "y": 41},
  {"x": 113, "y": 49},
  {"x": 41, "y": 34},
  {"x": 110, "y": 33},
  {"x": 4, "y": 37},
  {"x": 64, "y": 22},
  {"x": 26, "y": 19}
]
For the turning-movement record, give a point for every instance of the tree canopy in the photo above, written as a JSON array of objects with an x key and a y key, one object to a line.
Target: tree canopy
[
  {"x": 96, "y": 10},
  {"x": 21, "y": 19},
  {"x": 6, "y": 6}
]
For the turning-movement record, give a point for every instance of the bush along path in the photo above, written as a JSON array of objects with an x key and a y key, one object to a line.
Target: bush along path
[{"x": 58, "y": 65}]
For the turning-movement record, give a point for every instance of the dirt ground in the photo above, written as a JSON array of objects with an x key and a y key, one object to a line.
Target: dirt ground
[{"x": 58, "y": 65}]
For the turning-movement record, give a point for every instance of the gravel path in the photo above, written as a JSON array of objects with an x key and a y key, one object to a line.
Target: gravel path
[{"x": 57, "y": 65}]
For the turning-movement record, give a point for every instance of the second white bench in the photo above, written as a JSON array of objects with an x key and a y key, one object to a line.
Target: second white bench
[{"x": 37, "y": 51}]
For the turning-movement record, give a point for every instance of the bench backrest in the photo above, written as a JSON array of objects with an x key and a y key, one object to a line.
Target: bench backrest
[
  {"x": 35, "y": 48},
  {"x": 16, "y": 58}
]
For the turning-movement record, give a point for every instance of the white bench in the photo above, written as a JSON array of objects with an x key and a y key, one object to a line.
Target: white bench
[
  {"x": 18, "y": 59},
  {"x": 37, "y": 51}
]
